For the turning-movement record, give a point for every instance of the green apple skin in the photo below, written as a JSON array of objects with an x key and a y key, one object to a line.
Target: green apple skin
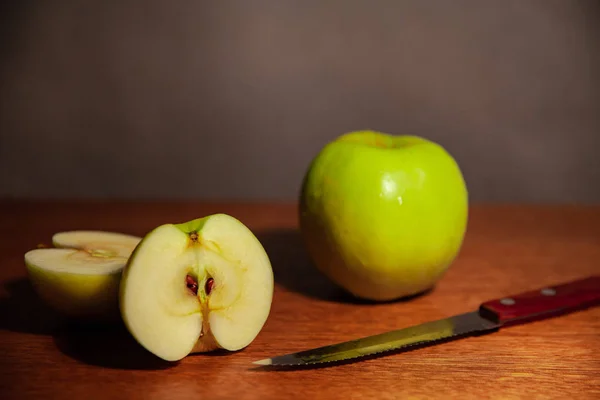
[
  {"x": 194, "y": 225},
  {"x": 383, "y": 216},
  {"x": 79, "y": 297}
]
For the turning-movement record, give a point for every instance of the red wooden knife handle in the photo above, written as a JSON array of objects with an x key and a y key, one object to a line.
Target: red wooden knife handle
[{"x": 543, "y": 303}]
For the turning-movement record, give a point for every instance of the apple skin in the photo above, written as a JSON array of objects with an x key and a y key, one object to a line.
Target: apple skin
[
  {"x": 383, "y": 216},
  {"x": 80, "y": 297},
  {"x": 194, "y": 225}
]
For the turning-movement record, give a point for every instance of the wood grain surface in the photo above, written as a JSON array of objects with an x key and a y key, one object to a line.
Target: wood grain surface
[{"x": 508, "y": 249}]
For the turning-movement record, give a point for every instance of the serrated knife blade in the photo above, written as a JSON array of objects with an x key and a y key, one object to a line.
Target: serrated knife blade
[{"x": 491, "y": 316}]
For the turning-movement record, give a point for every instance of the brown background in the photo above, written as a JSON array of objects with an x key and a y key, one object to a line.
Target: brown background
[{"x": 231, "y": 99}]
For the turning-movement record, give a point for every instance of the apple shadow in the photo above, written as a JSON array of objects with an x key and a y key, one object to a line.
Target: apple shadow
[
  {"x": 23, "y": 311},
  {"x": 294, "y": 270},
  {"x": 106, "y": 345}
]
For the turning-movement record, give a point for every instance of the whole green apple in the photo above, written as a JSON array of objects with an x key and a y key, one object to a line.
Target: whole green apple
[{"x": 383, "y": 216}]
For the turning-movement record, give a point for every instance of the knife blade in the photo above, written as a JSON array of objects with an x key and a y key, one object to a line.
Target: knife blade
[{"x": 491, "y": 315}]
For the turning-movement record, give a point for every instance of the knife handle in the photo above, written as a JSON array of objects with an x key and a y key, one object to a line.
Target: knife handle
[{"x": 543, "y": 303}]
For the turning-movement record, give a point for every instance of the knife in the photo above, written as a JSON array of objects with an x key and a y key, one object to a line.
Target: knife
[{"x": 492, "y": 315}]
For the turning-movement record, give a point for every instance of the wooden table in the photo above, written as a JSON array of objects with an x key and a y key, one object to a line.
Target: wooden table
[{"x": 508, "y": 249}]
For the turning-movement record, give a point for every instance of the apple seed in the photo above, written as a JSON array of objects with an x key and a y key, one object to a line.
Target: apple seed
[
  {"x": 191, "y": 284},
  {"x": 209, "y": 285}
]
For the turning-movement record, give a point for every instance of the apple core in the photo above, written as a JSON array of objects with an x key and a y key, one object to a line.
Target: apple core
[
  {"x": 209, "y": 285},
  {"x": 170, "y": 300},
  {"x": 191, "y": 284},
  {"x": 101, "y": 253}
]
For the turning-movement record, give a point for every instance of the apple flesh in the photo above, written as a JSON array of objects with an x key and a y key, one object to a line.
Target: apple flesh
[
  {"x": 80, "y": 276},
  {"x": 196, "y": 287},
  {"x": 383, "y": 216}
]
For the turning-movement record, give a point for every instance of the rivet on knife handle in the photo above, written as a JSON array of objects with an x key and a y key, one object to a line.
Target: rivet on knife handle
[{"x": 543, "y": 303}]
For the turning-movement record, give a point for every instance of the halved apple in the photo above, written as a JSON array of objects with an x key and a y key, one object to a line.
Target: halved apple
[
  {"x": 197, "y": 286},
  {"x": 80, "y": 276}
]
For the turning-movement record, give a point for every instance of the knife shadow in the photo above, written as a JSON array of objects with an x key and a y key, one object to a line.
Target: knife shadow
[{"x": 293, "y": 269}]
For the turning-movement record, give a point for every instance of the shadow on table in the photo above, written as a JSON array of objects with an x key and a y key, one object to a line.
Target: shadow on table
[
  {"x": 21, "y": 310},
  {"x": 294, "y": 270},
  {"x": 108, "y": 346},
  {"x": 111, "y": 346}
]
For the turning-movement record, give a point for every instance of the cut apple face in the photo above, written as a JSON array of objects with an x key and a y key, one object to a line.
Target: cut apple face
[
  {"x": 80, "y": 276},
  {"x": 196, "y": 287}
]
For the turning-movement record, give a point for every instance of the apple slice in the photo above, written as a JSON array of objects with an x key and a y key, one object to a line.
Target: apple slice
[
  {"x": 197, "y": 286},
  {"x": 80, "y": 276}
]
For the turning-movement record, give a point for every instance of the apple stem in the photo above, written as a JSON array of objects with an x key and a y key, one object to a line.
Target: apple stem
[
  {"x": 209, "y": 285},
  {"x": 191, "y": 284}
]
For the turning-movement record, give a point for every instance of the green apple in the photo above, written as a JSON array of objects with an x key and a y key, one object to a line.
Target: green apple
[
  {"x": 383, "y": 216},
  {"x": 197, "y": 286},
  {"x": 79, "y": 277}
]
